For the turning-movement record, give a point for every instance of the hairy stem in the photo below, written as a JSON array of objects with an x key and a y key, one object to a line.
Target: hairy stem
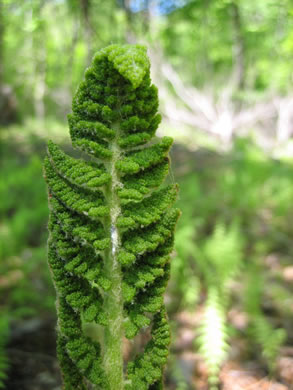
[{"x": 113, "y": 359}]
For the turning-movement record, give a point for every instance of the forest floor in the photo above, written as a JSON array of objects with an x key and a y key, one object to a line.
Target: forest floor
[
  {"x": 32, "y": 356},
  {"x": 33, "y": 363},
  {"x": 238, "y": 372},
  {"x": 32, "y": 346}
]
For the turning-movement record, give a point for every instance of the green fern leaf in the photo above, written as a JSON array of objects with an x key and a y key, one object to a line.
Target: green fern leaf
[
  {"x": 260, "y": 330},
  {"x": 269, "y": 338},
  {"x": 213, "y": 335},
  {"x": 223, "y": 253},
  {"x": 112, "y": 225},
  {"x": 219, "y": 260}
]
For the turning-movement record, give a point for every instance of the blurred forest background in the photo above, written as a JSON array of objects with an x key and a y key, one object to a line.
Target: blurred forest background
[{"x": 225, "y": 77}]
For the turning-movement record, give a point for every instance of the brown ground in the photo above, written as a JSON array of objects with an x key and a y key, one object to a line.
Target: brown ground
[{"x": 33, "y": 364}]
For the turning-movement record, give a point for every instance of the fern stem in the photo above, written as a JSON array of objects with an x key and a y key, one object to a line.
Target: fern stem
[{"x": 113, "y": 302}]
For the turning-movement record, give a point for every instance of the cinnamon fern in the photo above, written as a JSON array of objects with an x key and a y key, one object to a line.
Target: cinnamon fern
[
  {"x": 219, "y": 260},
  {"x": 112, "y": 227}
]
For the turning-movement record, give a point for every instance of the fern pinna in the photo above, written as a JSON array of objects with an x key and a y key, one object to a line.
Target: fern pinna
[{"x": 112, "y": 226}]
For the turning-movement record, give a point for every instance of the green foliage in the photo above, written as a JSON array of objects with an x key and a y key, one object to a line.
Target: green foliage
[
  {"x": 186, "y": 287},
  {"x": 23, "y": 214},
  {"x": 220, "y": 257},
  {"x": 213, "y": 334},
  {"x": 25, "y": 285},
  {"x": 268, "y": 338},
  {"x": 235, "y": 215},
  {"x": 112, "y": 225},
  {"x": 262, "y": 333},
  {"x": 219, "y": 260},
  {"x": 243, "y": 188},
  {"x": 55, "y": 55},
  {"x": 207, "y": 31},
  {"x": 19, "y": 191}
]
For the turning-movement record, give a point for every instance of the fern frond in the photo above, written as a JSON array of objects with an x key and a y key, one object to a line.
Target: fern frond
[
  {"x": 223, "y": 254},
  {"x": 268, "y": 338},
  {"x": 261, "y": 331},
  {"x": 219, "y": 260},
  {"x": 213, "y": 334},
  {"x": 112, "y": 225}
]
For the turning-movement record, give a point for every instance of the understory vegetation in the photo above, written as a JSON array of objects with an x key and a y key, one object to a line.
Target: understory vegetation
[
  {"x": 232, "y": 261},
  {"x": 235, "y": 237},
  {"x": 223, "y": 69}
]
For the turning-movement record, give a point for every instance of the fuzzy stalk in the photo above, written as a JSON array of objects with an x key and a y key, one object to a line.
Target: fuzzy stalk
[{"x": 113, "y": 300}]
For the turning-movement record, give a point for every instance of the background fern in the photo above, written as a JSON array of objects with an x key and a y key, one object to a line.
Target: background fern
[
  {"x": 219, "y": 260},
  {"x": 268, "y": 338},
  {"x": 213, "y": 334}
]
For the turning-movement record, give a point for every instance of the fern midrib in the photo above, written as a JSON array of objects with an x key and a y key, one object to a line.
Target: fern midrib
[{"x": 113, "y": 301}]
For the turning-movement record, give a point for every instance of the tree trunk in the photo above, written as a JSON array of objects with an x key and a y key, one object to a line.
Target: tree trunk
[
  {"x": 39, "y": 55},
  {"x": 8, "y": 104},
  {"x": 238, "y": 52},
  {"x": 130, "y": 35},
  {"x": 1, "y": 42},
  {"x": 85, "y": 8}
]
